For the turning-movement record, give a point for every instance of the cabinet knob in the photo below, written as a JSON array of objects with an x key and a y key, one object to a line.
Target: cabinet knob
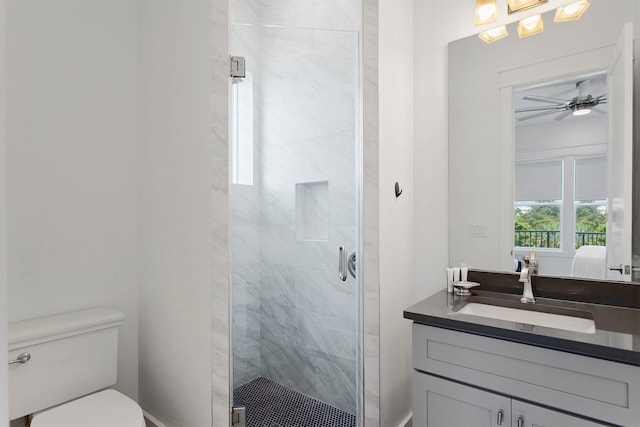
[
  {"x": 500, "y": 417},
  {"x": 520, "y": 422}
]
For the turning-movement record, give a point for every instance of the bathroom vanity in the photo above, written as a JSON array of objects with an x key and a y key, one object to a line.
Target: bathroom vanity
[{"x": 475, "y": 370}]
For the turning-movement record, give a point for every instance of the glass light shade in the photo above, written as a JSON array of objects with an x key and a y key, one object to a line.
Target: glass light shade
[
  {"x": 518, "y": 5},
  {"x": 493, "y": 34},
  {"x": 486, "y": 12},
  {"x": 571, "y": 12},
  {"x": 582, "y": 111},
  {"x": 530, "y": 26}
]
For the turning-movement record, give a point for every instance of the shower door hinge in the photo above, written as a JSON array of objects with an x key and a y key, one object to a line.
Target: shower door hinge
[
  {"x": 238, "y": 416},
  {"x": 238, "y": 67}
]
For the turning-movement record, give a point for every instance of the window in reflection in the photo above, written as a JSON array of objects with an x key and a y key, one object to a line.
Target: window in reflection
[{"x": 538, "y": 204}]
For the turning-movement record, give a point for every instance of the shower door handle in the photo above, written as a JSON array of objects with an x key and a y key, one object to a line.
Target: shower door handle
[{"x": 342, "y": 264}]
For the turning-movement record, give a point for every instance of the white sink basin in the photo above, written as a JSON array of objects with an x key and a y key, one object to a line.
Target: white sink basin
[{"x": 548, "y": 320}]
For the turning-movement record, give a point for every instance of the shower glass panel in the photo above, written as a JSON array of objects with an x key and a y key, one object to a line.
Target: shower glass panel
[{"x": 294, "y": 202}]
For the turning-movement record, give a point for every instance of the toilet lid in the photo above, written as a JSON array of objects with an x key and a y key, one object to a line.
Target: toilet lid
[{"x": 107, "y": 408}]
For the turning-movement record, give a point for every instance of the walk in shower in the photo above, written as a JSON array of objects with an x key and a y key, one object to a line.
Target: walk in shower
[{"x": 294, "y": 174}]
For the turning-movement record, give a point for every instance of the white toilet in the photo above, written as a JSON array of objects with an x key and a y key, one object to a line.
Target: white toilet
[{"x": 72, "y": 359}]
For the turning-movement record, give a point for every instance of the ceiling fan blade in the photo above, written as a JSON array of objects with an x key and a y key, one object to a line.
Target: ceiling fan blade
[
  {"x": 545, "y": 99},
  {"x": 533, "y": 116},
  {"x": 602, "y": 99},
  {"x": 543, "y": 108},
  {"x": 563, "y": 115},
  {"x": 599, "y": 111}
]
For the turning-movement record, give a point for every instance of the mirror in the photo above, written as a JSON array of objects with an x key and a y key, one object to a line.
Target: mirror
[{"x": 506, "y": 158}]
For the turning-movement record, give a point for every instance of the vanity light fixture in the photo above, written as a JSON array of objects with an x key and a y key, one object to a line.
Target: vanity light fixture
[
  {"x": 486, "y": 12},
  {"x": 518, "y": 5},
  {"x": 493, "y": 34},
  {"x": 530, "y": 26},
  {"x": 571, "y": 12}
]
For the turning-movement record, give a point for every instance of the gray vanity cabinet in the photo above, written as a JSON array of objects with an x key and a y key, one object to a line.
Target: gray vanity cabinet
[
  {"x": 535, "y": 416},
  {"x": 460, "y": 377},
  {"x": 441, "y": 403}
]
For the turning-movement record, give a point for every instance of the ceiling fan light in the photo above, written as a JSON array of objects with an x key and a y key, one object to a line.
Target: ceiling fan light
[
  {"x": 486, "y": 12},
  {"x": 530, "y": 26},
  {"x": 581, "y": 110},
  {"x": 518, "y": 5},
  {"x": 493, "y": 34},
  {"x": 571, "y": 12}
]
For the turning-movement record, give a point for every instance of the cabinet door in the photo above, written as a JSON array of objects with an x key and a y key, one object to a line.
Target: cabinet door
[
  {"x": 442, "y": 403},
  {"x": 535, "y": 416}
]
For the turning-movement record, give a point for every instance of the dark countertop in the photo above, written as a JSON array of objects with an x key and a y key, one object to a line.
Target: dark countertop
[{"x": 617, "y": 336}]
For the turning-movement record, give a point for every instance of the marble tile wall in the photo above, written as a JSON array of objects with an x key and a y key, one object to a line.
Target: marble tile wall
[
  {"x": 294, "y": 321},
  {"x": 220, "y": 307},
  {"x": 245, "y": 283},
  {"x": 308, "y": 316},
  {"x": 245, "y": 231},
  {"x": 326, "y": 14},
  {"x": 370, "y": 227}
]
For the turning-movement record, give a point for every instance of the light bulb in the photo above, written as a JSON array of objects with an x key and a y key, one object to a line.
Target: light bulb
[
  {"x": 493, "y": 34},
  {"x": 530, "y": 22},
  {"x": 582, "y": 112},
  {"x": 571, "y": 12},
  {"x": 485, "y": 12},
  {"x": 570, "y": 9}
]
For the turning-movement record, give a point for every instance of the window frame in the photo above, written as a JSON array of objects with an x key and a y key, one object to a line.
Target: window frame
[{"x": 568, "y": 204}]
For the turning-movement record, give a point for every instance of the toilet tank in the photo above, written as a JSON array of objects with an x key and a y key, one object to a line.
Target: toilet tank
[{"x": 72, "y": 354}]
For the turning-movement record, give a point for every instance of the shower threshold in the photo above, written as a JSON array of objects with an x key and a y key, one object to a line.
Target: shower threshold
[{"x": 270, "y": 404}]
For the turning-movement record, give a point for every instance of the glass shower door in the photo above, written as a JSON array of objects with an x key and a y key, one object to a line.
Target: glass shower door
[{"x": 294, "y": 134}]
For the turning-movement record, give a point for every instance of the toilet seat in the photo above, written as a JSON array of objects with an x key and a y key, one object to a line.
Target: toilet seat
[{"x": 107, "y": 408}]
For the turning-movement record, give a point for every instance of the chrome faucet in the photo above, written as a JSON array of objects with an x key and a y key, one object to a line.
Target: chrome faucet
[{"x": 529, "y": 268}]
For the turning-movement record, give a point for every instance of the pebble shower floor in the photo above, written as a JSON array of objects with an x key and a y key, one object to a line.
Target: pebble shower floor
[{"x": 270, "y": 404}]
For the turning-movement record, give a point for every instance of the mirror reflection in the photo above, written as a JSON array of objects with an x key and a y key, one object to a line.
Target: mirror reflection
[
  {"x": 560, "y": 186},
  {"x": 535, "y": 136}
]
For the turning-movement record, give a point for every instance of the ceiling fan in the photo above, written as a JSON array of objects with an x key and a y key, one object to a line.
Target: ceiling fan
[{"x": 582, "y": 104}]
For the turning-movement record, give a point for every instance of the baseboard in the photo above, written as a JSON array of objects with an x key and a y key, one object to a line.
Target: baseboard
[
  {"x": 150, "y": 418},
  {"x": 408, "y": 421}
]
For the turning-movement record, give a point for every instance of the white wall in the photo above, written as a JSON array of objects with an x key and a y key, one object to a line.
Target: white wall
[
  {"x": 4, "y": 395},
  {"x": 396, "y": 214},
  {"x": 175, "y": 211},
  {"x": 636, "y": 145},
  {"x": 71, "y": 114}
]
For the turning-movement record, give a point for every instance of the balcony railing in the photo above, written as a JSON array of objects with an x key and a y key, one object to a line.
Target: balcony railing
[
  {"x": 588, "y": 238},
  {"x": 551, "y": 239},
  {"x": 537, "y": 238}
]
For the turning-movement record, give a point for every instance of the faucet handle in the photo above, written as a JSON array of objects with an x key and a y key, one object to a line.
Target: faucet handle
[
  {"x": 524, "y": 274},
  {"x": 533, "y": 262}
]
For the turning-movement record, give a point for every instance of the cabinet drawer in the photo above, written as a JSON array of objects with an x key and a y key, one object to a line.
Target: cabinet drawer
[{"x": 591, "y": 387}]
